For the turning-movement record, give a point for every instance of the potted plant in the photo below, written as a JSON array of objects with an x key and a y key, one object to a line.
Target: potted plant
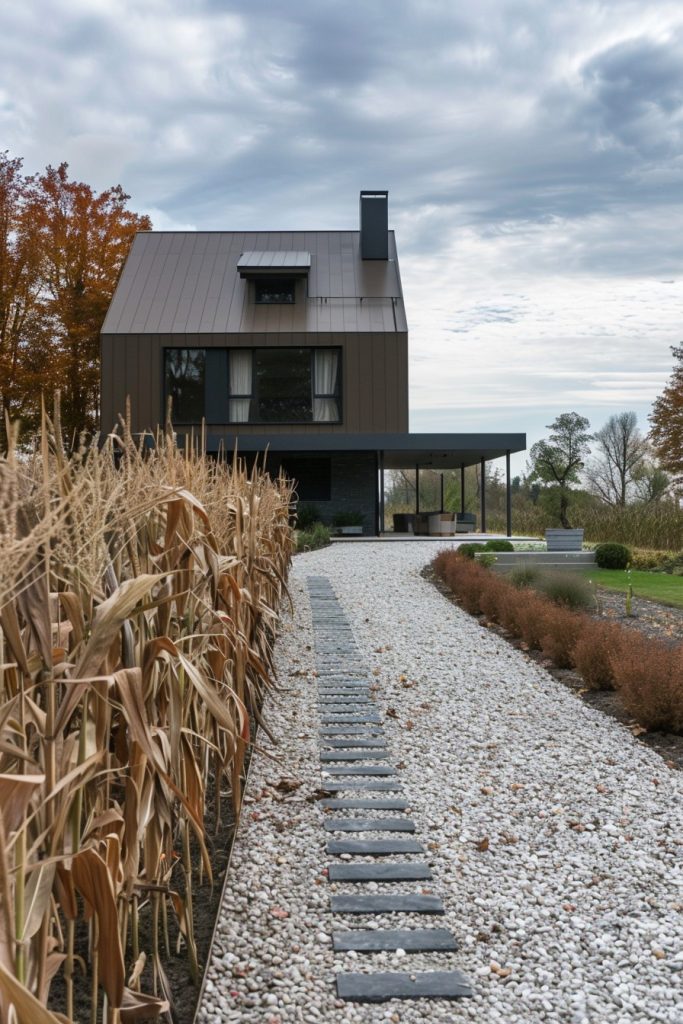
[{"x": 348, "y": 523}]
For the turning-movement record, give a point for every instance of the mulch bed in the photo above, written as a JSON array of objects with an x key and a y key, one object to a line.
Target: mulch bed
[{"x": 655, "y": 620}]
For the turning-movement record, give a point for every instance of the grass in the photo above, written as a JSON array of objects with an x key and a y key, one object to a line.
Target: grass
[{"x": 654, "y": 585}]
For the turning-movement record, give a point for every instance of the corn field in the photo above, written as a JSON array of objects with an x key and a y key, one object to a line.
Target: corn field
[{"x": 139, "y": 593}]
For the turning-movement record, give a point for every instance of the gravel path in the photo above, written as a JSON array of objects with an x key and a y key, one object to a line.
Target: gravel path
[{"x": 555, "y": 839}]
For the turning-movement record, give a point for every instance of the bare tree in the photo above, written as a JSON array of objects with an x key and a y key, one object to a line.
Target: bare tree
[{"x": 620, "y": 449}]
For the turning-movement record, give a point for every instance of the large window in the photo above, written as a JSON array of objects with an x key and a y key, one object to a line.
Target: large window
[
  {"x": 185, "y": 383},
  {"x": 255, "y": 385},
  {"x": 285, "y": 385}
]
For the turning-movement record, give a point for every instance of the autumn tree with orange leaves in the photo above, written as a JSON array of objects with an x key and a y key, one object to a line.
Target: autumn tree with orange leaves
[
  {"x": 666, "y": 432},
  {"x": 62, "y": 246}
]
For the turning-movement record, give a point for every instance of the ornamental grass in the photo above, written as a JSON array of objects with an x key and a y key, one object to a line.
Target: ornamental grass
[
  {"x": 647, "y": 673},
  {"x": 139, "y": 594}
]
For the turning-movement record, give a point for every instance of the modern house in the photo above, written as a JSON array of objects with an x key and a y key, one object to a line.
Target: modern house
[{"x": 294, "y": 342}]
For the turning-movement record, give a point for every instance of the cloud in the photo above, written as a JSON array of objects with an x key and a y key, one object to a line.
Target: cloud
[{"x": 533, "y": 153}]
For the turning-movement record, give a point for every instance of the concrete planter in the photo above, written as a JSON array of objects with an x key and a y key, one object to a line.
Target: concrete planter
[{"x": 564, "y": 540}]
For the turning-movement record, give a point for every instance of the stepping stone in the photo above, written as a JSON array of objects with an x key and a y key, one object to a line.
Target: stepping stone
[
  {"x": 362, "y": 707},
  {"x": 375, "y": 785},
  {"x": 343, "y": 693},
  {"x": 369, "y": 825},
  {"x": 366, "y": 719},
  {"x": 355, "y": 755},
  {"x": 391, "y": 903},
  {"x": 350, "y": 743},
  {"x": 392, "y": 804},
  {"x": 374, "y": 847},
  {"x": 417, "y": 940},
  {"x": 405, "y": 872},
  {"x": 336, "y": 701},
  {"x": 380, "y": 987},
  {"x": 352, "y": 730},
  {"x": 359, "y": 769}
]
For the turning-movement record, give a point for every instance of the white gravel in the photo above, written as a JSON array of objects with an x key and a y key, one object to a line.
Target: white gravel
[{"x": 574, "y": 912}]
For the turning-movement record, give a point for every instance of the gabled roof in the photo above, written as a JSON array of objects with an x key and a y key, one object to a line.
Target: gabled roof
[{"x": 189, "y": 283}]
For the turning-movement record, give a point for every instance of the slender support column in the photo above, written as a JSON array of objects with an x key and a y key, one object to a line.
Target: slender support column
[
  {"x": 377, "y": 497},
  {"x": 382, "y": 525},
  {"x": 482, "y": 495},
  {"x": 417, "y": 489},
  {"x": 462, "y": 488},
  {"x": 508, "y": 493},
  {"x": 442, "y": 508}
]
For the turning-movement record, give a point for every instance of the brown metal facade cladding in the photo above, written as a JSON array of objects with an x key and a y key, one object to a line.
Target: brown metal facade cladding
[{"x": 184, "y": 290}]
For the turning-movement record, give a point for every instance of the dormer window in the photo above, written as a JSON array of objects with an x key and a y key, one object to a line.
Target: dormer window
[{"x": 273, "y": 291}]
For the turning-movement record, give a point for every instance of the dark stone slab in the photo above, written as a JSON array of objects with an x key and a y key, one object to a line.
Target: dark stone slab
[
  {"x": 362, "y": 707},
  {"x": 369, "y": 785},
  {"x": 391, "y": 903},
  {"x": 406, "y": 872},
  {"x": 416, "y": 940},
  {"x": 344, "y": 693},
  {"x": 374, "y": 847},
  {"x": 352, "y": 730},
  {"x": 369, "y": 825},
  {"x": 344, "y": 701},
  {"x": 380, "y": 987},
  {"x": 357, "y": 755},
  {"x": 359, "y": 769},
  {"x": 349, "y": 744},
  {"x": 344, "y": 803},
  {"x": 365, "y": 719}
]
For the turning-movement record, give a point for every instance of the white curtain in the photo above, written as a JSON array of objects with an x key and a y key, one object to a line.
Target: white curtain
[
  {"x": 326, "y": 409},
  {"x": 240, "y": 384}
]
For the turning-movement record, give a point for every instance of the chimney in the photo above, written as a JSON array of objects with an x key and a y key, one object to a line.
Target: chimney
[{"x": 374, "y": 225}]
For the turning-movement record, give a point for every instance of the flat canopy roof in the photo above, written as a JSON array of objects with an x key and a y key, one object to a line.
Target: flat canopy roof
[
  {"x": 257, "y": 263},
  {"x": 401, "y": 451}
]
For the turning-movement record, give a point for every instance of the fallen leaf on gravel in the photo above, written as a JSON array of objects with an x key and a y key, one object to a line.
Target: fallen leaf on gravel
[
  {"x": 569, "y": 907},
  {"x": 279, "y": 913},
  {"x": 410, "y": 724},
  {"x": 402, "y": 678},
  {"x": 577, "y": 826},
  {"x": 508, "y": 838},
  {"x": 602, "y": 789},
  {"x": 487, "y": 790},
  {"x": 401, "y": 764},
  {"x": 426, "y": 705},
  {"x": 659, "y": 954},
  {"x": 288, "y": 785},
  {"x": 483, "y": 937},
  {"x": 637, "y": 729},
  {"x": 433, "y": 846},
  {"x": 483, "y": 844},
  {"x": 317, "y": 794},
  {"x": 515, "y": 786},
  {"x": 502, "y": 972},
  {"x": 392, "y": 713},
  {"x": 655, "y": 782},
  {"x": 375, "y": 671}
]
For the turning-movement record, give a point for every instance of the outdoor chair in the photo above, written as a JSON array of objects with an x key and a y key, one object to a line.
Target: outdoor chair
[{"x": 442, "y": 524}]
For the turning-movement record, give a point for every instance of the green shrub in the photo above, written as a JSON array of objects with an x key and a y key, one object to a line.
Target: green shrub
[
  {"x": 306, "y": 517},
  {"x": 469, "y": 550},
  {"x": 318, "y": 536},
  {"x": 524, "y": 575},
  {"x": 567, "y": 589},
  {"x": 650, "y": 560},
  {"x": 487, "y": 559},
  {"x": 612, "y": 556},
  {"x": 498, "y": 545}
]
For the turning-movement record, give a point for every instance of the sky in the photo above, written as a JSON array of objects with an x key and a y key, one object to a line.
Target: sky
[{"x": 532, "y": 149}]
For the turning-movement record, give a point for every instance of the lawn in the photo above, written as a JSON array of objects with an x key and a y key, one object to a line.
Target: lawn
[{"x": 658, "y": 586}]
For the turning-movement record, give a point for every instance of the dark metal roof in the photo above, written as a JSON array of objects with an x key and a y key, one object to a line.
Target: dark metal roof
[
  {"x": 401, "y": 451},
  {"x": 261, "y": 263},
  {"x": 188, "y": 282}
]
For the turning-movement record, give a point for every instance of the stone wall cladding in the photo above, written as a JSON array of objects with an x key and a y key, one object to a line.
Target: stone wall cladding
[{"x": 353, "y": 489}]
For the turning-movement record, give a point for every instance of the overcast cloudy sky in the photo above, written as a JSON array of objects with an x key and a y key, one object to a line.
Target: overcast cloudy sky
[{"x": 533, "y": 150}]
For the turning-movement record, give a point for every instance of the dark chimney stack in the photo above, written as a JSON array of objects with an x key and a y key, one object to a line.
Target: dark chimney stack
[{"x": 374, "y": 225}]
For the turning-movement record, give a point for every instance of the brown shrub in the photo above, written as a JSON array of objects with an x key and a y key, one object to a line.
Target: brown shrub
[
  {"x": 561, "y": 630},
  {"x": 592, "y": 655},
  {"x": 530, "y": 617},
  {"x": 493, "y": 596},
  {"x": 649, "y": 676}
]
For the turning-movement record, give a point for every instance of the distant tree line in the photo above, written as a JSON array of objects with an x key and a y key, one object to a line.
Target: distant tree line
[
  {"x": 618, "y": 477},
  {"x": 62, "y": 246}
]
